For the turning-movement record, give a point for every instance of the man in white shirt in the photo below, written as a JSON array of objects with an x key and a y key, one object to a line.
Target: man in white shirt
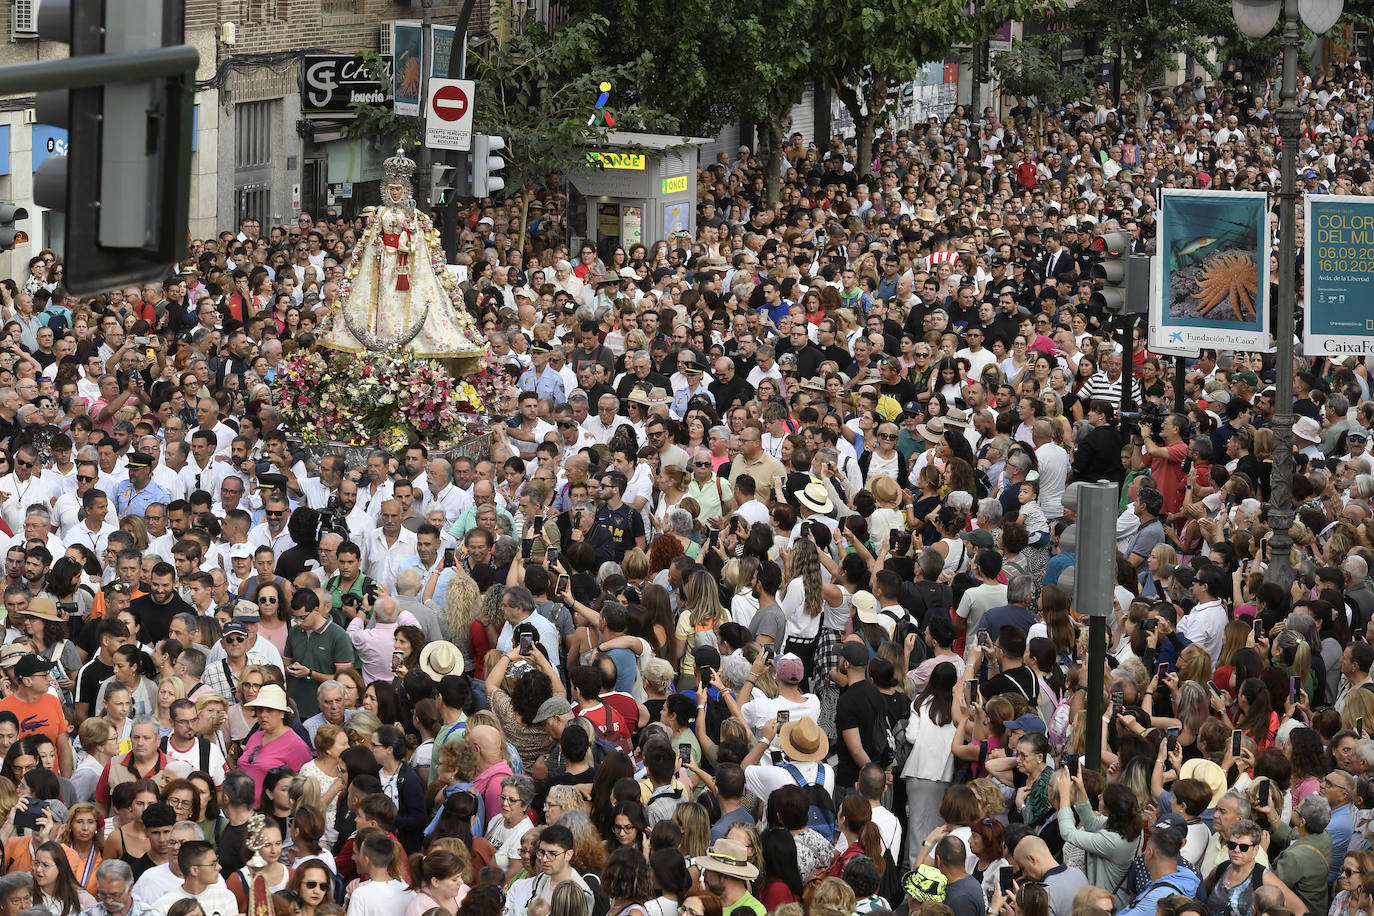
[
  {"x": 443, "y": 493},
  {"x": 380, "y": 894},
  {"x": 316, "y": 491},
  {"x": 607, "y": 419},
  {"x": 1205, "y": 624},
  {"x": 93, "y": 532},
  {"x": 22, "y": 488},
  {"x": 198, "y": 866},
  {"x": 1053, "y": 464},
  {"x": 203, "y": 472},
  {"x": 385, "y": 546},
  {"x": 161, "y": 821},
  {"x": 207, "y": 415}
]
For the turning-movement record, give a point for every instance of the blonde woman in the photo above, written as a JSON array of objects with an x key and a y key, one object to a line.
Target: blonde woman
[
  {"x": 739, "y": 578},
  {"x": 169, "y": 690},
  {"x": 1158, "y": 572},
  {"x": 701, "y": 617},
  {"x": 462, "y": 609}
]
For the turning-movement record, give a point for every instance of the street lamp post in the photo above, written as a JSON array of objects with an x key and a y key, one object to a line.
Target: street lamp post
[{"x": 1256, "y": 18}]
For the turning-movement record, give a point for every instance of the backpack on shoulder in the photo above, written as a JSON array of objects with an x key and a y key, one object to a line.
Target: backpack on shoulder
[{"x": 820, "y": 812}]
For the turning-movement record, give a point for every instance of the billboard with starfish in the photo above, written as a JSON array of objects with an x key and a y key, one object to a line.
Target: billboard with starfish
[
  {"x": 1211, "y": 276},
  {"x": 1338, "y": 295}
]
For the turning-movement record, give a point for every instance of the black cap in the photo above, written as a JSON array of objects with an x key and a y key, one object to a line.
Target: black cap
[
  {"x": 138, "y": 460},
  {"x": 271, "y": 481},
  {"x": 540, "y": 346},
  {"x": 32, "y": 664}
]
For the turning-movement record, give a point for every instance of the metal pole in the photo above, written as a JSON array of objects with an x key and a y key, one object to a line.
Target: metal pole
[
  {"x": 1127, "y": 370},
  {"x": 1180, "y": 375},
  {"x": 1289, "y": 119},
  {"x": 86, "y": 71},
  {"x": 1097, "y": 660},
  {"x": 457, "y": 69},
  {"x": 422, "y": 186}
]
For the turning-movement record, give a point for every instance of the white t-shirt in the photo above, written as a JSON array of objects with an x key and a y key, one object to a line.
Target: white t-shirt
[
  {"x": 380, "y": 898},
  {"x": 215, "y": 900},
  {"x": 217, "y": 768}
]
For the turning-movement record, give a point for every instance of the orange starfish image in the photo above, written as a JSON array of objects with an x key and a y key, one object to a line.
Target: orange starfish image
[{"x": 1233, "y": 278}]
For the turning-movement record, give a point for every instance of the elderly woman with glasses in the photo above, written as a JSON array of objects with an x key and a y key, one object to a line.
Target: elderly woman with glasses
[{"x": 1232, "y": 886}]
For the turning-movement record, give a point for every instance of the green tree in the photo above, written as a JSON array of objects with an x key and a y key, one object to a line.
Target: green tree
[
  {"x": 874, "y": 45},
  {"x": 1144, "y": 39},
  {"x": 712, "y": 62},
  {"x": 369, "y": 121},
  {"x": 538, "y": 90}
]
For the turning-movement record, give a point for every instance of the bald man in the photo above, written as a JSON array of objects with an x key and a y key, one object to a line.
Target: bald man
[
  {"x": 1032, "y": 857},
  {"x": 491, "y": 764}
]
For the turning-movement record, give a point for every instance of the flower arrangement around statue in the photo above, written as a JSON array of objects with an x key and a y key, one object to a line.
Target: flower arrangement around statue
[{"x": 388, "y": 400}]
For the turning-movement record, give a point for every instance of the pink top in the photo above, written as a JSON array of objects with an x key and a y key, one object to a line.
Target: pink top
[
  {"x": 423, "y": 902},
  {"x": 488, "y": 783},
  {"x": 286, "y": 750}
]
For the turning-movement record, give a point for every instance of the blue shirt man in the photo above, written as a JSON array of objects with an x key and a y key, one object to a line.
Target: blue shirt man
[
  {"x": 541, "y": 378},
  {"x": 135, "y": 495},
  {"x": 692, "y": 371},
  {"x": 1338, "y": 787}
]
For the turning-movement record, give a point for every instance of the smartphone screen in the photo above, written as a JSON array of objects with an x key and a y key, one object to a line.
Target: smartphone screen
[
  {"x": 1262, "y": 794},
  {"x": 1073, "y": 766},
  {"x": 713, "y": 537},
  {"x": 1173, "y": 740},
  {"x": 892, "y": 540},
  {"x": 563, "y": 581},
  {"x": 1160, "y": 670},
  {"x": 1292, "y": 688},
  {"x": 784, "y": 716},
  {"x": 526, "y": 644},
  {"x": 1259, "y": 629},
  {"x": 526, "y": 548},
  {"x": 1006, "y": 878},
  {"x": 1118, "y": 702},
  {"x": 684, "y": 754},
  {"x": 972, "y": 692},
  {"x": 552, "y": 556},
  {"x": 1236, "y": 736}
]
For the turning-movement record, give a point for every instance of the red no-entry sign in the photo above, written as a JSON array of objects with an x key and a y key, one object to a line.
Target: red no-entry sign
[{"x": 448, "y": 114}]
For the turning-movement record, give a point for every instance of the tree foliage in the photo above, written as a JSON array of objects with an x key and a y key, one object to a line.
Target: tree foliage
[
  {"x": 369, "y": 121},
  {"x": 538, "y": 91},
  {"x": 875, "y": 45},
  {"x": 710, "y": 62}
]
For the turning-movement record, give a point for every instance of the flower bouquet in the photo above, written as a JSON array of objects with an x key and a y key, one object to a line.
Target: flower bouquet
[{"x": 387, "y": 400}]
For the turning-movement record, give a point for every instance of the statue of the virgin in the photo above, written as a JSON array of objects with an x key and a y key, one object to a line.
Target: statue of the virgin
[{"x": 397, "y": 292}]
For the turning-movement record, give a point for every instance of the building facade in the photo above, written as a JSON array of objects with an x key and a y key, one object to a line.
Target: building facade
[{"x": 256, "y": 153}]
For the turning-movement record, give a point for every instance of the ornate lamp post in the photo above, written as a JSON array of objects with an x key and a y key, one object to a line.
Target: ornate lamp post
[{"x": 1256, "y": 18}]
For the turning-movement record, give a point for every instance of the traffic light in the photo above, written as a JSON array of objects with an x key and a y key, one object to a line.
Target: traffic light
[
  {"x": 442, "y": 183},
  {"x": 1121, "y": 280},
  {"x": 486, "y": 162},
  {"x": 1109, "y": 272},
  {"x": 1091, "y": 539},
  {"x": 124, "y": 184},
  {"x": 10, "y": 213}
]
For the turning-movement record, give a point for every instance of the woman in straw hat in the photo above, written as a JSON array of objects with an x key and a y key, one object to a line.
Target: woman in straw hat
[{"x": 275, "y": 743}]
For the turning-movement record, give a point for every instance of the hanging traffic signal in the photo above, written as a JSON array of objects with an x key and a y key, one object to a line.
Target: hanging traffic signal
[
  {"x": 10, "y": 235},
  {"x": 486, "y": 162},
  {"x": 124, "y": 183}
]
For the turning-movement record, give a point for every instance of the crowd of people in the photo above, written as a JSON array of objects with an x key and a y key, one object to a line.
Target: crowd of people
[{"x": 751, "y": 604}]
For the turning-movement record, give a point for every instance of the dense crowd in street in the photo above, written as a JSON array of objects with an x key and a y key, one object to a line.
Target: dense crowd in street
[{"x": 751, "y": 603}]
